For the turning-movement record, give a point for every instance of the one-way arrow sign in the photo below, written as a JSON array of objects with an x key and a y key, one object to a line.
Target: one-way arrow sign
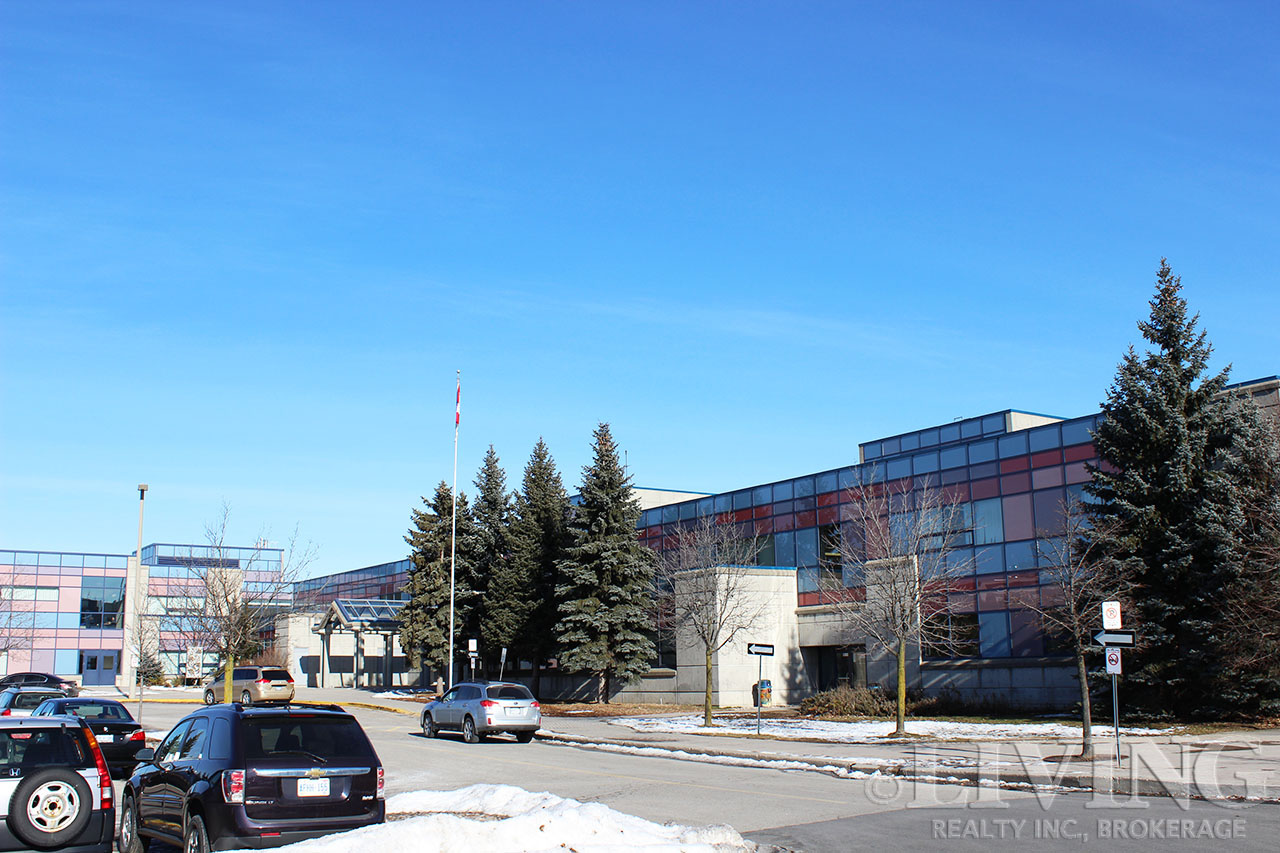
[
  {"x": 760, "y": 649},
  {"x": 1116, "y": 638}
]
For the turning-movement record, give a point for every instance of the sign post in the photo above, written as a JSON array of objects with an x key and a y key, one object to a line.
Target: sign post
[
  {"x": 1112, "y": 637},
  {"x": 761, "y": 651}
]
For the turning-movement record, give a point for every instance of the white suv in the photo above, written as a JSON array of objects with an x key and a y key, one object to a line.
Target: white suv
[{"x": 55, "y": 790}]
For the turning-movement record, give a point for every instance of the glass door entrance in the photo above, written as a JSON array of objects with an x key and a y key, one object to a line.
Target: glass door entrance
[{"x": 99, "y": 667}]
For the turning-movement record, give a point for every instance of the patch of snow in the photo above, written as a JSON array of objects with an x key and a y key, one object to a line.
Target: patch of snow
[
  {"x": 528, "y": 822},
  {"x": 868, "y": 731}
]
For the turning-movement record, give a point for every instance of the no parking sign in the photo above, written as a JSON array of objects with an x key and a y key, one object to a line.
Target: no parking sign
[{"x": 1113, "y": 661}]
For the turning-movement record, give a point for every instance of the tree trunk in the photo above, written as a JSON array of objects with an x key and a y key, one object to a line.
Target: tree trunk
[
  {"x": 602, "y": 688},
  {"x": 227, "y": 687},
  {"x": 1086, "y": 712},
  {"x": 901, "y": 729},
  {"x": 706, "y": 699}
]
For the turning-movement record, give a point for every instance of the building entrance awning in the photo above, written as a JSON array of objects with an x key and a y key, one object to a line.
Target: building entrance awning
[{"x": 358, "y": 615}]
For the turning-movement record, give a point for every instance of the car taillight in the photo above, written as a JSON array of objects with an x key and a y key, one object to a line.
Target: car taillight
[
  {"x": 4, "y": 713},
  {"x": 488, "y": 703},
  {"x": 104, "y": 775},
  {"x": 382, "y": 784},
  {"x": 264, "y": 681},
  {"x": 138, "y": 735},
  {"x": 233, "y": 786},
  {"x": 535, "y": 705}
]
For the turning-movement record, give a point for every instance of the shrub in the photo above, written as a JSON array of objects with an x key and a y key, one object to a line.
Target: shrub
[{"x": 844, "y": 701}]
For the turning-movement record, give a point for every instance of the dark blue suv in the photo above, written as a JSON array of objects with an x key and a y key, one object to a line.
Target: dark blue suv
[{"x": 236, "y": 776}]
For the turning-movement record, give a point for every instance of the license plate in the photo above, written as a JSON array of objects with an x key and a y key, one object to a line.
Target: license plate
[
  {"x": 313, "y": 787},
  {"x": 107, "y": 738},
  {"x": 515, "y": 712}
]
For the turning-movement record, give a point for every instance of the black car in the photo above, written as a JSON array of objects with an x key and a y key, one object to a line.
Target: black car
[
  {"x": 234, "y": 776},
  {"x": 40, "y": 679},
  {"x": 119, "y": 735}
]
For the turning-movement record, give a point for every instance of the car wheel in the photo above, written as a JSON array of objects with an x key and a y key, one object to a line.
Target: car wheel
[
  {"x": 429, "y": 728},
  {"x": 196, "y": 838},
  {"x": 209, "y": 698},
  {"x": 524, "y": 737},
  {"x": 469, "y": 731},
  {"x": 50, "y": 808},
  {"x": 129, "y": 841},
  {"x": 245, "y": 698}
]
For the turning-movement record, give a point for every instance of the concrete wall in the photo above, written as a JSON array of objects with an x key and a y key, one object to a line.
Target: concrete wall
[{"x": 304, "y": 650}]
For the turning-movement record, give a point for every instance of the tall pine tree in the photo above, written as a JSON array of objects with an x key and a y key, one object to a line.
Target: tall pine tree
[
  {"x": 540, "y": 539},
  {"x": 502, "y": 593},
  {"x": 606, "y": 609},
  {"x": 424, "y": 629},
  {"x": 1166, "y": 483}
]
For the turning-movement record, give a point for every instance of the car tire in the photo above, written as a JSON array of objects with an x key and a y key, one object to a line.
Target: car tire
[
  {"x": 128, "y": 840},
  {"x": 50, "y": 808},
  {"x": 524, "y": 737},
  {"x": 469, "y": 731},
  {"x": 195, "y": 838},
  {"x": 429, "y": 728},
  {"x": 209, "y": 698},
  {"x": 245, "y": 698}
]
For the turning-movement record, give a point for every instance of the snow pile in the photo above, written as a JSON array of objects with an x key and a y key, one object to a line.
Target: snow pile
[
  {"x": 525, "y": 822},
  {"x": 868, "y": 731}
]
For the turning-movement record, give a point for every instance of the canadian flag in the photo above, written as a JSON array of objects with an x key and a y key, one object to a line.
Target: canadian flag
[{"x": 457, "y": 412}]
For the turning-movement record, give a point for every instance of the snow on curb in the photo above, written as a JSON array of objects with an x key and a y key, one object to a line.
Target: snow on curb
[
  {"x": 526, "y": 822},
  {"x": 868, "y": 731}
]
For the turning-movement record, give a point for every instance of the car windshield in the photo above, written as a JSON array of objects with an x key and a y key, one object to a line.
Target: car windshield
[
  {"x": 325, "y": 738},
  {"x": 97, "y": 711},
  {"x": 509, "y": 691},
  {"x": 25, "y": 748}
]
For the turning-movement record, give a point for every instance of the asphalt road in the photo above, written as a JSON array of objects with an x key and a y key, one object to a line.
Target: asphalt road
[{"x": 805, "y": 810}]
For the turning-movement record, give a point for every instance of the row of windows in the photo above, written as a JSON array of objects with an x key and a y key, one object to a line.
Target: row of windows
[
  {"x": 70, "y": 561},
  {"x": 1015, "y": 471},
  {"x": 966, "y": 429},
  {"x": 16, "y": 623},
  {"x": 1063, "y": 434}
]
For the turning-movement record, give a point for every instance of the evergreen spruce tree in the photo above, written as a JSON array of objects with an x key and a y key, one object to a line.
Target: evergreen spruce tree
[
  {"x": 540, "y": 539},
  {"x": 502, "y": 594},
  {"x": 424, "y": 629},
  {"x": 1166, "y": 482},
  {"x": 606, "y": 609}
]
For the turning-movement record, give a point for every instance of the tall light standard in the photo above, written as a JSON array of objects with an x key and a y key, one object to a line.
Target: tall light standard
[{"x": 139, "y": 601}]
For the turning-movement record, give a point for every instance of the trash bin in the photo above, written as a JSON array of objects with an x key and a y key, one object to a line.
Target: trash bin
[{"x": 762, "y": 692}]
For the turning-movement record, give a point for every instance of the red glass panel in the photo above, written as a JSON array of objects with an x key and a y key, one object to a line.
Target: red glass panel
[
  {"x": 808, "y": 599},
  {"x": 1076, "y": 473},
  {"x": 1052, "y": 596},
  {"x": 1018, "y": 523},
  {"x": 984, "y": 489},
  {"x": 1046, "y": 478},
  {"x": 994, "y": 599},
  {"x": 1024, "y": 578},
  {"x": 1047, "y": 457},
  {"x": 1017, "y": 463},
  {"x": 963, "y": 603},
  {"x": 763, "y": 511},
  {"x": 827, "y": 515},
  {"x": 764, "y": 526},
  {"x": 804, "y": 519},
  {"x": 964, "y": 584},
  {"x": 1015, "y": 483},
  {"x": 1079, "y": 452},
  {"x": 828, "y": 498},
  {"x": 784, "y": 522},
  {"x": 742, "y": 515},
  {"x": 991, "y": 581}
]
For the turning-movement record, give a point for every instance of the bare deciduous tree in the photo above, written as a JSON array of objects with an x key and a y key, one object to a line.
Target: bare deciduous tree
[
  {"x": 143, "y": 643},
  {"x": 1077, "y": 581},
  {"x": 702, "y": 586},
  {"x": 897, "y": 563},
  {"x": 233, "y": 595}
]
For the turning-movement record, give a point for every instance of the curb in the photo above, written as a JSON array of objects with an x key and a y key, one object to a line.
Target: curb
[{"x": 970, "y": 777}]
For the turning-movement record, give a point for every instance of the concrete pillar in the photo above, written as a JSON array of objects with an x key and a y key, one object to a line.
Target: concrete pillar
[{"x": 324, "y": 657}]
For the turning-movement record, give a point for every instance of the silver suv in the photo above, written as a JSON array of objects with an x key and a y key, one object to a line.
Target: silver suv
[{"x": 478, "y": 708}]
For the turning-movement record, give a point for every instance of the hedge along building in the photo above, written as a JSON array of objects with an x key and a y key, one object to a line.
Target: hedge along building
[{"x": 1010, "y": 472}]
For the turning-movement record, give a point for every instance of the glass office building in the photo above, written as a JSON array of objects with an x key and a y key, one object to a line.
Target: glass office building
[
  {"x": 1011, "y": 473},
  {"x": 384, "y": 581},
  {"x": 63, "y": 613}
]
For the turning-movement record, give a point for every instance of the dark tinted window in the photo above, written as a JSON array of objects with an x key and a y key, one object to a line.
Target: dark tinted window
[
  {"x": 96, "y": 711},
  {"x": 275, "y": 674},
  {"x": 469, "y": 693},
  {"x": 243, "y": 673},
  {"x": 31, "y": 747},
  {"x": 168, "y": 749},
  {"x": 220, "y": 740},
  {"x": 327, "y": 737},
  {"x": 193, "y": 743},
  {"x": 509, "y": 691},
  {"x": 30, "y": 701}
]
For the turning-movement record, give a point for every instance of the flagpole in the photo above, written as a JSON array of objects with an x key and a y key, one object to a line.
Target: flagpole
[{"x": 453, "y": 525}]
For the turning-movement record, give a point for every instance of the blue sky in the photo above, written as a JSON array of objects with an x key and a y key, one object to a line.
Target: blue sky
[{"x": 245, "y": 246}]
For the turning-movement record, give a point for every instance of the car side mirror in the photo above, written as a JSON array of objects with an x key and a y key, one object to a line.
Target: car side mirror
[{"x": 146, "y": 754}]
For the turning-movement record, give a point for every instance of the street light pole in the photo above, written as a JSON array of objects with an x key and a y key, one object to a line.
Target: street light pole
[{"x": 139, "y": 601}]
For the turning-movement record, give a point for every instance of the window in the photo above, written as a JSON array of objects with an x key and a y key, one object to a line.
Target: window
[
  {"x": 988, "y": 522},
  {"x": 1017, "y": 518},
  {"x": 951, "y": 635},
  {"x": 954, "y": 457},
  {"x": 169, "y": 747},
  {"x": 784, "y": 546},
  {"x": 101, "y": 602},
  {"x": 1044, "y": 438},
  {"x": 807, "y": 547},
  {"x": 510, "y": 691},
  {"x": 193, "y": 743},
  {"x": 982, "y": 451},
  {"x": 993, "y": 634},
  {"x": 1077, "y": 432}
]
